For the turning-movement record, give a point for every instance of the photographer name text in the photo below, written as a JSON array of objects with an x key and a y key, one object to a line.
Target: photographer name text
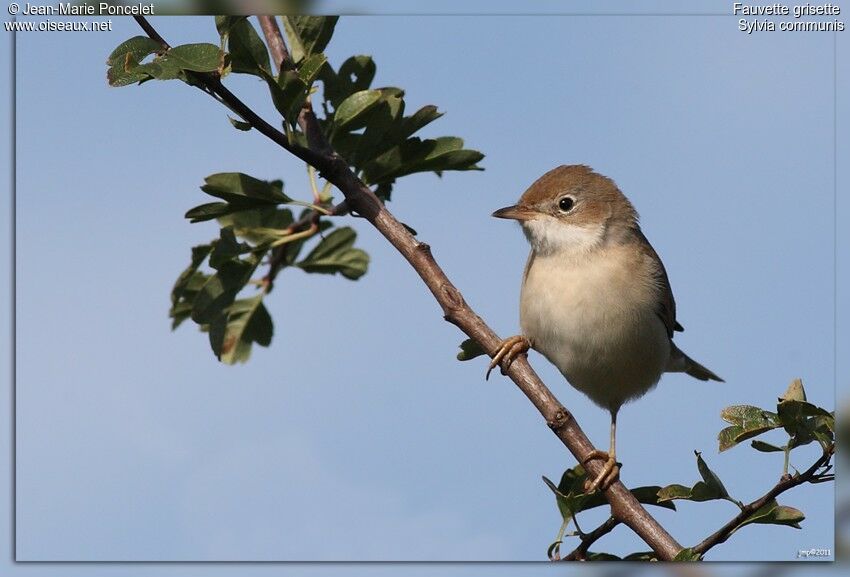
[{"x": 101, "y": 9}]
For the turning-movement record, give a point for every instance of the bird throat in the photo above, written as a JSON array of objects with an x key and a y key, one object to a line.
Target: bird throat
[{"x": 549, "y": 236}]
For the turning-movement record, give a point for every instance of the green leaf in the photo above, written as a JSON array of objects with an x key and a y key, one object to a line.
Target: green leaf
[
  {"x": 187, "y": 286},
  {"x": 123, "y": 62},
  {"x": 238, "y": 124},
  {"x": 253, "y": 225},
  {"x": 381, "y": 125},
  {"x": 674, "y": 491},
  {"x": 308, "y": 34},
  {"x": 747, "y": 422},
  {"x": 195, "y": 57},
  {"x": 648, "y": 495},
  {"x": 772, "y": 513},
  {"x": 711, "y": 480},
  {"x": 824, "y": 430},
  {"x": 220, "y": 290},
  {"x": 239, "y": 188},
  {"x": 600, "y": 556},
  {"x": 416, "y": 155},
  {"x": 687, "y": 554},
  {"x": 355, "y": 74},
  {"x": 571, "y": 498},
  {"x": 470, "y": 349},
  {"x": 199, "y": 255},
  {"x": 175, "y": 63},
  {"x": 792, "y": 411},
  {"x": 805, "y": 422},
  {"x": 256, "y": 226},
  {"x": 226, "y": 248},
  {"x": 334, "y": 254},
  {"x": 569, "y": 502},
  {"x": 355, "y": 107},
  {"x": 422, "y": 117},
  {"x": 766, "y": 447},
  {"x": 223, "y": 24},
  {"x": 210, "y": 210},
  {"x": 641, "y": 556},
  {"x": 710, "y": 488},
  {"x": 245, "y": 322},
  {"x": 310, "y": 68},
  {"x": 447, "y": 154},
  {"x": 287, "y": 91},
  {"x": 248, "y": 52}
]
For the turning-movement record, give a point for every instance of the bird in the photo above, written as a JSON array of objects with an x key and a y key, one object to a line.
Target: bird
[{"x": 595, "y": 301}]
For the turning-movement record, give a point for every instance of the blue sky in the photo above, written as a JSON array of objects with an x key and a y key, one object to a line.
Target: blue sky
[{"x": 357, "y": 436}]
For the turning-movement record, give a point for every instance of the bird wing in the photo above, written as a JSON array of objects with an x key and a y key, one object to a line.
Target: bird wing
[{"x": 665, "y": 308}]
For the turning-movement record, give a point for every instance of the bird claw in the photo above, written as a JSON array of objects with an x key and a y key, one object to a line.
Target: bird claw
[
  {"x": 508, "y": 351},
  {"x": 610, "y": 471}
]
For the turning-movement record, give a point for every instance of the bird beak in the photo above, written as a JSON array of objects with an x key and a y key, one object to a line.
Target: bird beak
[{"x": 515, "y": 212}]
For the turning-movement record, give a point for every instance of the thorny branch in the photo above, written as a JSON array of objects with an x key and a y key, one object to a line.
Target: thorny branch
[{"x": 360, "y": 199}]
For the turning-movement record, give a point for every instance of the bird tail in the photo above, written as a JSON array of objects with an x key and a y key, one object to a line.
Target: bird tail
[{"x": 682, "y": 363}]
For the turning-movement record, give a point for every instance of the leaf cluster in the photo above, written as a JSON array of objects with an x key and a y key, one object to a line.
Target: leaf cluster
[
  {"x": 571, "y": 498},
  {"x": 366, "y": 126},
  {"x": 803, "y": 422},
  {"x": 254, "y": 226}
]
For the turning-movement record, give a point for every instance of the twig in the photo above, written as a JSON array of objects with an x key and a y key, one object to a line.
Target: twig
[
  {"x": 309, "y": 219},
  {"x": 212, "y": 83},
  {"x": 307, "y": 120},
  {"x": 151, "y": 32},
  {"x": 787, "y": 482},
  {"x": 315, "y": 141},
  {"x": 271, "y": 31},
  {"x": 360, "y": 199},
  {"x": 588, "y": 539}
]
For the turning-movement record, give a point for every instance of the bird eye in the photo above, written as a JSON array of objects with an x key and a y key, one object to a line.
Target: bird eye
[{"x": 566, "y": 204}]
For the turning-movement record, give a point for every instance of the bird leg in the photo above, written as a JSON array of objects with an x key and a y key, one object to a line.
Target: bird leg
[
  {"x": 611, "y": 471},
  {"x": 509, "y": 350}
]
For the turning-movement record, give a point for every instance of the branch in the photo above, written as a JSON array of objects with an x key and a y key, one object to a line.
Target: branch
[
  {"x": 271, "y": 31},
  {"x": 315, "y": 140},
  {"x": 307, "y": 120},
  {"x": 588, "y": 539},
  {"x": 210, "y": 82},
  {"x": 151, "y": 32},
  {"x": 360, "y": 198},
  {"x": 786, "y": 483}
]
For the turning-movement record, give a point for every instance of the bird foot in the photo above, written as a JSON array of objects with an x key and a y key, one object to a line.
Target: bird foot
[
  {"x": 609, "y": 473},
  {"x": 508, "y": 351}
]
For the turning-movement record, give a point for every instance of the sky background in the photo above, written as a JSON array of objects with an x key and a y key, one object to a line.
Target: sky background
[{"x": 357, "y": 436}]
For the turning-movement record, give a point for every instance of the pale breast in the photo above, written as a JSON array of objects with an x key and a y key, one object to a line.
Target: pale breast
[{"x": 594, "y": 318}]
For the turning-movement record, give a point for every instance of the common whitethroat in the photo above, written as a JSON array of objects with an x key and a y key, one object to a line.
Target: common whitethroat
[{"x": 595, "y": 298}]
